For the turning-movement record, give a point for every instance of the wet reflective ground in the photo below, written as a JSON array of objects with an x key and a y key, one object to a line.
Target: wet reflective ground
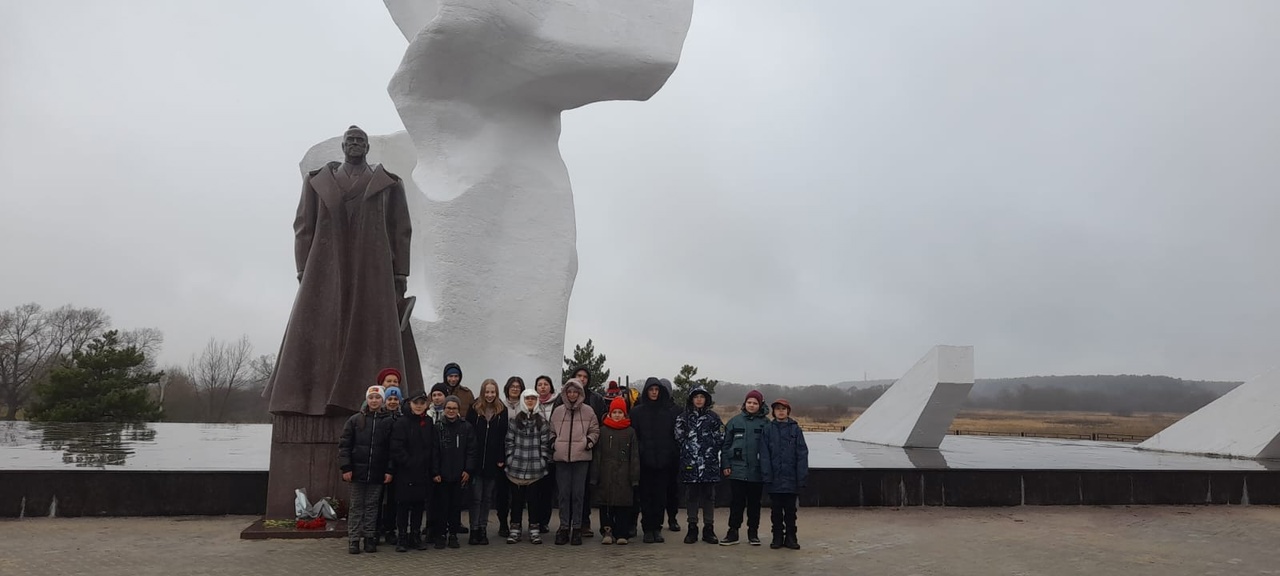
[
  {"x": 247, "y": 447},
  {"x": 152, "y": 446}
]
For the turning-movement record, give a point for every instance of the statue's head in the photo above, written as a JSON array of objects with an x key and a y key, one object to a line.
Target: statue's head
[
  {"x": 355, "y": 142},
  {"x": 560, "y": 53}
]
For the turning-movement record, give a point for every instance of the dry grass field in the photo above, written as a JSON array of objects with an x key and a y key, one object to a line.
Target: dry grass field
[{"x": 1139, "y": 425}]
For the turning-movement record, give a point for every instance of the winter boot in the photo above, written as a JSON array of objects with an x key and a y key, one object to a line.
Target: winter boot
[
  {"x": 440, "y": 540},
  {"x": 777, "y": 540},
  {"x": 535, "y": 535},
  {"x": 562, "y": 536},
  {"x": 657, "y": 536},
  {"x": 709, "y": 535},
  {"x": 753, "y": 536},
  {"x": 390, "y": 537},
  {"x": 353, "y": 546},
  {"x": 402, "y": 544},
  {"x": 648, "y": 537},
  {"x": 483, "y": 537},
  {"x": 606, "y": 535},
  {"x": 730, "y": 537},
  {"x": 586, "y": 532},
  {"x": 453, "y": 541},
  {"x": 672, "y": 525},
  {"x": 513, "y": 534},
  {"x": 575, "y": 537},
  {"x": 692, "y": 536},
  {"x": 503, "y": 527},
  {"x": 371, "y": 545},
  {"x": 791, "y": 542},
  {"x": 418, "y": 542},
  {"x": 473, "y": 538}
]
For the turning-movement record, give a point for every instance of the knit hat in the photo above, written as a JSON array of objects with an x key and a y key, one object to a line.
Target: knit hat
[
  {"x": 781, "y": 401},
  {"x": 618, "y": 403},
  {"x": 375, "y": 390},
  {"x": 388, "y": 371},
  {"x": 613, "y": 388},
  {"x": 451, "y": 370},
  {"x": 442, "y": 387},
  {"x": 393, "y": 392},
  {"x": 755, "y": 394},
  {"x": 454, "y": 399}
]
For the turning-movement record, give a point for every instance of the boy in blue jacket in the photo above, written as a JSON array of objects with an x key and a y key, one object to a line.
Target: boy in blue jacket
[{"x": 784, "y": 465}]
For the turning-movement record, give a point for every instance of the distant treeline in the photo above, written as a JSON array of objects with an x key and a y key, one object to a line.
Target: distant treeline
[{"x": 1122, "y": 394}]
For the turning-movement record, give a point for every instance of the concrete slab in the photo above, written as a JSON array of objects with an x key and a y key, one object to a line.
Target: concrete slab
[{"x": 918, "y": 409}]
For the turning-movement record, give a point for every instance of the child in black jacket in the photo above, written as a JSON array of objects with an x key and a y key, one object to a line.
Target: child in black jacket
[
  {"x": 456, "y": 461},
  {"x": 364, "y": 455}
]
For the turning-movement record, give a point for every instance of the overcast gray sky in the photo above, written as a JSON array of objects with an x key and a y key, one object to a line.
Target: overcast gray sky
[{"x": 823, "y": 189}]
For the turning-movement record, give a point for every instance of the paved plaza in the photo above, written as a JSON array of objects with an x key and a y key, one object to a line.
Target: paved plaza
[{"x": 978, "y": 541}]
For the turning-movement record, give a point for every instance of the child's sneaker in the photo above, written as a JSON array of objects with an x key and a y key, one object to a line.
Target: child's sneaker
[
  {"x": 606, "y": 536},
  {"x": 513, "y": 536},
  {"x": 535, "y": 536},
  {"x": 753, "y": 537},
  {"x": 730, "y": 538}
]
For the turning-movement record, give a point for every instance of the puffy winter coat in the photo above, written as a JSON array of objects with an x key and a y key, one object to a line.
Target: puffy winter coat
[
  {"x": 741, "y": 449},
  {"x": 491, "y": 440},
  {"x": 456, "y": 450},
  {"x": 413, "y": 447},
  {"x": 528, "y": 447},
  {"x": 574, "y": 431},
  {"x": 365, "y": 446},
  {"x": 701, "y": 435},
  {"x": 655, "y": 424},
  {"x": 784, "y": 458},
  {"x": 615, "y": 473}
]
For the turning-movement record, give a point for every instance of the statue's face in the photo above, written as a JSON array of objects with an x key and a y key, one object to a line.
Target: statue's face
[{"x": 355, "y": 144}]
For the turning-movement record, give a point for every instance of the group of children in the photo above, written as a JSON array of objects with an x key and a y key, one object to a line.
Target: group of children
[{"x": 524, "y": 450}]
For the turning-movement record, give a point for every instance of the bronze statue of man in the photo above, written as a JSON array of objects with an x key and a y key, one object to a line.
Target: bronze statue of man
[{"x": 352, "y": 250}]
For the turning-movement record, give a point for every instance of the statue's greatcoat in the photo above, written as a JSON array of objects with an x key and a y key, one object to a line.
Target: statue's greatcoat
[{"x": 350, "y": 244}]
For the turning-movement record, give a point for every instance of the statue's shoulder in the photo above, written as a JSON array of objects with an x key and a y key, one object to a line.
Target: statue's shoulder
[
  {"x": 393, "y": 175},
  {"x": 330, "y": 166}
]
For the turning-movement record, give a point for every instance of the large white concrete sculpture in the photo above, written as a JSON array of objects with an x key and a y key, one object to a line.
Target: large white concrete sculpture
[
  {"x": 1243, "y": 423},
  {"x": 917, "y": 410},
  {"x": 480, "y": 91}
]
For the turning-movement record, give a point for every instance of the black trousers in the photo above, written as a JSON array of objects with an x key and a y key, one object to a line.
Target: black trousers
[
  {"x": 409, "y": 518},
  {"x": 446, "y": 508},
  {"x": 387, "y": 514},
  {"x": 673, "y": 493},
  {"x": 502, "y": 498},
  {"x": 550, "y": 494},
  {"x": 744, "y": 495},
  {"x": 654, "y": 496},
  {"x": 618, "y": 519},
  {"x": 534, "y": 498},
  {"x": 784, "y": 513}
]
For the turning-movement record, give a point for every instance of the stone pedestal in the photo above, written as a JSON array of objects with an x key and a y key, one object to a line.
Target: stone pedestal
[{"x": 304, "y": 454}]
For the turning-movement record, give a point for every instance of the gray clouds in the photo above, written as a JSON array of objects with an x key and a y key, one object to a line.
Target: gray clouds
[{"x": 819, "y": 190}]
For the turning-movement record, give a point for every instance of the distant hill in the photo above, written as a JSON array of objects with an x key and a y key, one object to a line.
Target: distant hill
[{"x": 1124, "y": 393}]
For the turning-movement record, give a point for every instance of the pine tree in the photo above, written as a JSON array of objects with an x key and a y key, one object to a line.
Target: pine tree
[
  {"x": 105, "y": 382},
  {"x": 585, "y": 356},
  {"x": 684, "y": 383}
]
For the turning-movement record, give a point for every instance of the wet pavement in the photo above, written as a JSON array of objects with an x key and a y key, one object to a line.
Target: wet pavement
[{"x": 1165, "y": 541}]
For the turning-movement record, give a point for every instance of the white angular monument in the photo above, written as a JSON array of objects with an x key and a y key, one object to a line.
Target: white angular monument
[
  {"x": 480, "y": 91},
  {"x": 917, "y": 410},
  {"x": 1243, "y": 423}
]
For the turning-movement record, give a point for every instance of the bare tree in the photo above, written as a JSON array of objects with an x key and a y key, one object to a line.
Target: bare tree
[
  {"x": 220, "y": 370},
  {"x": 261, "y": 369},
  {"x": 148, "y": 341},
  {"x": 33, "y": 341}
]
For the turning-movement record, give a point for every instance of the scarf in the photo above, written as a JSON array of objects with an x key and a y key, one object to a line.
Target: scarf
[{"x": 617, "y": 424}]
